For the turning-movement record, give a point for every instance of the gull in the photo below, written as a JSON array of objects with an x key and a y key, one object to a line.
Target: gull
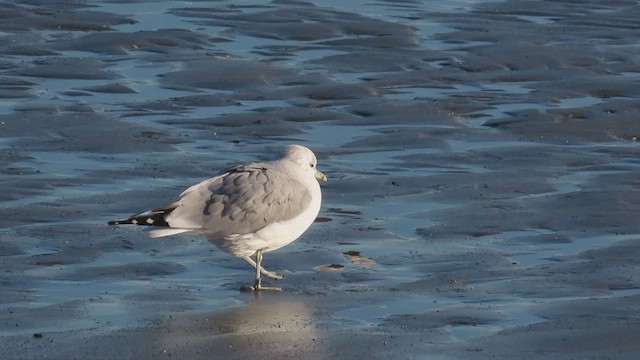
[{"x": 246, "y": 210}]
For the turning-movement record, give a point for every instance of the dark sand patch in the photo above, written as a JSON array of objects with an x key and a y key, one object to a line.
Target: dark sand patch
[
  {"x": 482, "y": 161},
  {"x": 83, "y": 68},
  {"x": 43, "y": 15},
  {"x": 111, "y": 88},
  {"x": 159, "y": 41}
]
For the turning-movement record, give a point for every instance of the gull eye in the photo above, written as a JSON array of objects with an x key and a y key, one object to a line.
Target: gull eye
[{"x": 312, "y": 165}]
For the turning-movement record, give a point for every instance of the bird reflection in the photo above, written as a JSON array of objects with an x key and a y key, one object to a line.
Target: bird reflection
[{"x": 273, "y": 325}]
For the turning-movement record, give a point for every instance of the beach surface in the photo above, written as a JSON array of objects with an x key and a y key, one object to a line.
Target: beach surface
[{"x": 483, "y": 192}]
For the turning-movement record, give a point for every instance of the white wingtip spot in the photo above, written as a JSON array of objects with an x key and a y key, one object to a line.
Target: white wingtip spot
[
  {"x": 134, "y": 222},
  {"x": 149, "y": 221}
]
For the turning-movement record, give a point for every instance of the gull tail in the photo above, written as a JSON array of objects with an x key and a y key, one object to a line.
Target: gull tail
[
  {"x": 155, "y": 217},
  {"x": 167, "y": 232}
]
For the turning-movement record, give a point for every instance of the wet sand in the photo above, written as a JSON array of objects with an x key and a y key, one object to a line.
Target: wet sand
[{"x": 482, "y": 157}]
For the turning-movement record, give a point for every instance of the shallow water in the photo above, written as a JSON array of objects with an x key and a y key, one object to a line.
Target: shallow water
[{"x": 482, "y": 159}]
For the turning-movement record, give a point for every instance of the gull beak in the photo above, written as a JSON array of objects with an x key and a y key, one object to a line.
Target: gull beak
[{"x": 321, "y": 176}]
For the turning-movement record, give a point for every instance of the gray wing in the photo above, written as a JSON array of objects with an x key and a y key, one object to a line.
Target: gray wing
[{"x": 241, "y": 200}]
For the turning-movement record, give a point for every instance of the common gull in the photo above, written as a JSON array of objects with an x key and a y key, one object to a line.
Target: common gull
[{"x": 246, "y": 210}]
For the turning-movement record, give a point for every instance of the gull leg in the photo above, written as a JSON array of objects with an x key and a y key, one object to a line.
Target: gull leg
[
  {"x": 264, "y": 271},
  {"x": 258, "y": 284}
]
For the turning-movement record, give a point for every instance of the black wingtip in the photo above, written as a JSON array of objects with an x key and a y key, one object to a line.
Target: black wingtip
[
  {"x": 121, "y": 222},
  {"x": 154, "y": 217}
]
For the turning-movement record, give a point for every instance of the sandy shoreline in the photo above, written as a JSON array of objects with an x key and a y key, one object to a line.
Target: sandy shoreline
[{"x": 482, "y": 160}]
